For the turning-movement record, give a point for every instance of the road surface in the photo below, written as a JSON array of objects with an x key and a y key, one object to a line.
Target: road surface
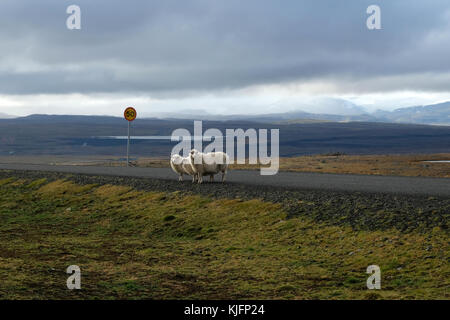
[{"x": 323, "y": 181}]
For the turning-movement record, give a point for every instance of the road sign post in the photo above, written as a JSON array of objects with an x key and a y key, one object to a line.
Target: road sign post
[
  {"x": 130, "y": 115},
  {"x": 128, "y": 145}
]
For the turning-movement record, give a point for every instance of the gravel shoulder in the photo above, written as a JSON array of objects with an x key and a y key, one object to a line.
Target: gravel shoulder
[{"x": 293, "y": 180}]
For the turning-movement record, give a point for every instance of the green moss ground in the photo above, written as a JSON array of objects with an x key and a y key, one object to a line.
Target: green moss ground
[{"x": 133, "y": 244}]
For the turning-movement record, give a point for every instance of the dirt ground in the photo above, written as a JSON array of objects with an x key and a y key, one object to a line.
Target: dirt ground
[{"x": 394, "y": 165}]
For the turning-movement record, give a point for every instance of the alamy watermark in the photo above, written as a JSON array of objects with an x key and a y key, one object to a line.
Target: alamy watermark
[
  {"x": 374, "y": 281},
  {"x": 374, "y": 20},
  {"x": 235, "y": 141},
  {"x": 73, "y": 281},
  {"x": 74, "y": 20}
]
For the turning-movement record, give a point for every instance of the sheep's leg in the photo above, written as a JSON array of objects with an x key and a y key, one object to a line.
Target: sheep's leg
[
  {"x": 224, "y": 173},
  {"x": 180, "y": 178},
  {"x": 211, "y": 178},
  {"x": 200, "y": 178},
  {"x": 193, "y": 178}
]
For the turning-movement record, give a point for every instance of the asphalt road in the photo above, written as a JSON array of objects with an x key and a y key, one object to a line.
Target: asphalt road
[{"x": 338, "y": 182}]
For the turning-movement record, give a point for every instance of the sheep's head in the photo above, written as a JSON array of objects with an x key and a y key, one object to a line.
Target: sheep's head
[
  {"x": 194, "y": 152},
  {"x": 195, "y": 156},
  {"x": 176, "y": 159}
]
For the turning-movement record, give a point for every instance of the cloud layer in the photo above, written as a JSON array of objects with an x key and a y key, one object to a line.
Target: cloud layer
[{"x": 171, "y": 48}]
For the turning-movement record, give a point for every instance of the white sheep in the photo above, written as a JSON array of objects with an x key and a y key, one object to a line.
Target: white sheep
[
  {"x": 209, "y": 164},
  {"x": 182, "y": 166}
]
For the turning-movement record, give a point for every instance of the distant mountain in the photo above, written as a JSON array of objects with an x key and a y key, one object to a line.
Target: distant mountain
[
  {"x": 198, "y": 114},
  {"x": 6, "y": 116},
  {"x": 333, "y": 106},
  {"x": 431, "y": 114},
  {"x": 338, "y": 110},
  {"x": 329, "y": 109},
  {"x": 296, "y": 115},
  {"x": 269, "y": 117},
  {"x": 68, "y": 119}
]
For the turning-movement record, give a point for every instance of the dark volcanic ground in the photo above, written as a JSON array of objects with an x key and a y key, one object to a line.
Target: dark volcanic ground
[
  {"x": 84, "y": 135},
  {"x": 360, "y": 210}
]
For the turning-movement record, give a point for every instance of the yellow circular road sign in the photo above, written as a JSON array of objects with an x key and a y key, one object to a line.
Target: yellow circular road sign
[{"x": 130, "y": 114}]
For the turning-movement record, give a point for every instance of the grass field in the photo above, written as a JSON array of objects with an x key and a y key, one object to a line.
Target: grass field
[
  {"x": 388, "y": 165},
  {"x": 134, "y": 244}
]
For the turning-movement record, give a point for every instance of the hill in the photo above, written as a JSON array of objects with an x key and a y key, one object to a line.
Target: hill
[
  {"x": 432, "y": 114},
  {"x": 337, "y": 110}
]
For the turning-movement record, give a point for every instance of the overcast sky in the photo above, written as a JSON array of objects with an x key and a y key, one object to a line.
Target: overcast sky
[{"x": 227, "y": 56}]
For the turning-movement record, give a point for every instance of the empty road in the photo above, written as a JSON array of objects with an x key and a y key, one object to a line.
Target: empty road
[{"x": 338, "y": 182}]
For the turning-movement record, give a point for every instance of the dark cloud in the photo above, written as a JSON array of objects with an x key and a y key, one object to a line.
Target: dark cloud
[{"x": 165, "y": 46}]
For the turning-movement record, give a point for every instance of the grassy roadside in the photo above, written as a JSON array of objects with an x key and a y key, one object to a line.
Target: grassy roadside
[{"x": 137, "y": 244}]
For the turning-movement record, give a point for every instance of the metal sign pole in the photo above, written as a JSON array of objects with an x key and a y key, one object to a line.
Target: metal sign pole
[
  {"x": 128, "y": 145},
  {"x": 129, "y": 115}
]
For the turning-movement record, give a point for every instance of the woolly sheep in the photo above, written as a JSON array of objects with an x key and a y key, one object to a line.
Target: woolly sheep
[
  {"x": 182, "y": 166},
  {"x": 209, "y": 164}
]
